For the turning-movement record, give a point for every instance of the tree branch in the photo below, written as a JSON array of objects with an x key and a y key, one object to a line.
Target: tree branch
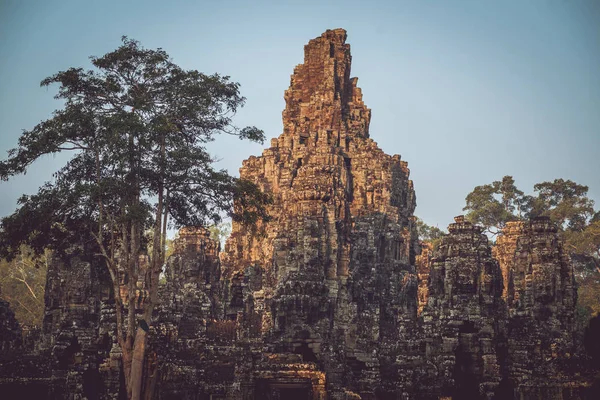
[{"x": 28, "y": 287}]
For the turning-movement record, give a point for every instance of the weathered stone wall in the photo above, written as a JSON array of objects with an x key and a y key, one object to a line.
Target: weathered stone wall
[
  {"x": 541, "y": 300},
  {"x": 195, "y": 354},
  {"x": 422, "y": 262},
  {"x": 461, "y": 321},
  {"x": 65, "y": 362},
  {"x": 336, "y": 263}
]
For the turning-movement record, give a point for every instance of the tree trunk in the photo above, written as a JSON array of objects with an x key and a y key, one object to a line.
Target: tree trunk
[
  {"x": 151, "y": 376},
  {"x": 137, "y": 364},
  {"x": 127, "y": 362}
]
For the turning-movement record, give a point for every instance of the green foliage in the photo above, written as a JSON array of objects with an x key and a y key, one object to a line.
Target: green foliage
[
  {"x": 220, "y": 232},
  {"x": 22, "y": 284},
  {"x": 168, "y": 243},
  {"x": 565, "y": 202},
  {"x": 428, "y": 233},
  {"x": 137, "y": 124},
  {"x": 491, "y": 206}
]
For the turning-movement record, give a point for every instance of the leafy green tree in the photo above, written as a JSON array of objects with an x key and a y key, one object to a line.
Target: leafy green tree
[
  {"x": 219, "y": 232},
  {"x": 492, "y": 205},
  {"x": 428, "y": 233},
  {"x": 137, "y": 125},
  {"x": 565, "y": 202}
]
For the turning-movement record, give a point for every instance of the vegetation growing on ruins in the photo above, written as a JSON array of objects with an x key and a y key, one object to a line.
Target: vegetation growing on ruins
[
  {"x": 567, "y": 204},
  {"x": 428, "y": 233},
  {"x": 137, "y": 125}
]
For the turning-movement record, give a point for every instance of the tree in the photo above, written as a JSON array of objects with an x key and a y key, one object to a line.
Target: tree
[
  {"x": 493, "y": 205},
  {"x": 220, "y": 232},
  {"x": 565, "y": 202},
  {"x": 428, "y": 233},
  {"x": 137, "y": 125},
  {"x": 22, "y": 284},
  {"x": 584, "y": 246}
]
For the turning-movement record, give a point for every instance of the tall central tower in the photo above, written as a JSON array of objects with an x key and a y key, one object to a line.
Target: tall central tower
[{"x": 331, "y": 277}]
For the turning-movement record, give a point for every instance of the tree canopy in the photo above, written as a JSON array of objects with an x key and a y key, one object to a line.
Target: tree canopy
[
  {"x": 564, "y": 201},
  {"x": 492, "y": 205},
  {"x": 428, "y": 233},
  {"x": 137, "y": 125}
]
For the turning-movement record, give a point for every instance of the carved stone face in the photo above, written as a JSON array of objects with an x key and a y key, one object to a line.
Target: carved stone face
[
  {"x": 544, "y": 283},
  {"x": 466, "y": 278}
]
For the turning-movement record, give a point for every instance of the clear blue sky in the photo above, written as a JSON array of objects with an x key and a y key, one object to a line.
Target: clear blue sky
[{"x": 465, "y": 91}]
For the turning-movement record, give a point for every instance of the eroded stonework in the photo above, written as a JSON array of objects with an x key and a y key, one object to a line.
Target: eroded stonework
[
  {"x": 333, "y": 298},
  {"x": 463, "y": 316},
  {"x": 541, "y": 300},
  {"x": 422, "y": 262},
  {"x": 332, "y": 276}
]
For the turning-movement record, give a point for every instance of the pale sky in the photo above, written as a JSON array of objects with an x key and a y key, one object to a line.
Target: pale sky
[{"x": 465, "y": 91}]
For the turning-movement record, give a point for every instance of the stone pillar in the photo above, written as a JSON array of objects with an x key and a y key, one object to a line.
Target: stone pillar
[
  {"x": 460, "y": 320},
  {"x": 541, "y": 304},
  {"x": 337, "y": 258},
  {"x": 422, "y": 266}
]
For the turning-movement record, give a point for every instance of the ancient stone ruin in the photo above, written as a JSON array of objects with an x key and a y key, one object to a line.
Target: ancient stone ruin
[{"x": 333, "y": 298}]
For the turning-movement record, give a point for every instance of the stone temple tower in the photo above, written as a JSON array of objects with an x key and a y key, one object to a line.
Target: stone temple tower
[{"x": 332, "y": 276}]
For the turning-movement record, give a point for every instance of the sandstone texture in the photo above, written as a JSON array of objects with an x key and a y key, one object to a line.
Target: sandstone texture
[
  {"x": 333, "y": 298},
  {"x": 541, "y": 300},
  {"x": 463, "y": 316},
  {"x": 422, "y": 262},
  {"x": 332, "y": 276}
]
